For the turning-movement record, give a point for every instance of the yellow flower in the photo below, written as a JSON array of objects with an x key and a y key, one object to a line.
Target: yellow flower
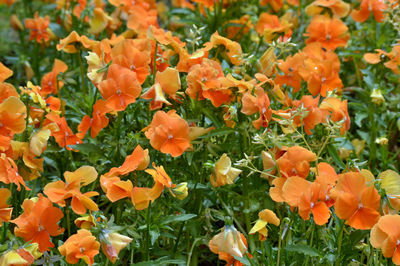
[
  {"x": 12, "y": 258},
  {"x": 85, "y": 222},
  {"x": 99, "y": 21},
  {"x": 95, "y": 64},
  {"x": 265, "y": 216},
  {"x": 382, "y": 141},
  {"x": 224, "y": 173},
  {"x": 180, "y": 191},
  {"x": 377, "y": 97},
  {"x": 390, "y": 181}
]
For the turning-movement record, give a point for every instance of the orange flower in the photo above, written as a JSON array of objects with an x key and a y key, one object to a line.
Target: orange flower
[
  {"x": 139, "y": 159},
  {"x": 59, "y": 191},
  {"x": 5, "y": 72},
  {"x": 64, "y": 135},
  {"x": 33, "y": 165},
  {"x": 377, "y": 7},
  {"x": 339, "y": 8},
  {"x": 331, "y": 33},
  {"x": 394, "y": 58},
  {"x": 168, "y": 133},
  {"x": 82, "y": 245},
  {"x": 294, "y": 162},
  {"x": 5, "y": 210},
  {"x": 338, "y": 110},
  {"x": 275, "y": 4},
  {"x": 38, "y": 222},
  {"x": 233, "y": 49},
  {"x": 39, "y": 28},
  {"x": 257, "y": 104},
  {"x": 115, "y": 188},
  {"x": 8, "y": 2},
  {"x": 98, "y": 121},
  {"x": 314, "y": 114},
  {"x": 309, "y": 197},
  {"x": 167, "y": 82},
  {"x": 206, "y": 81},
  {"x": 355, "y": 201},
  {"x": 120, "y": 89},
  {"x": 385, "y": 235},
  {"x": 49, "y": 81},
  {"x": 141, "y": 18},
  {"x": 127, "y": 54},
  {"x": 290, "y": 68},
  {"x": 9, "y": 172}
]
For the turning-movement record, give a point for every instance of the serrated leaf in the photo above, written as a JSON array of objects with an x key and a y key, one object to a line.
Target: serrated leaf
[
  {"x": 304, "y": 249},
  {"x": 177, "y": 218}
]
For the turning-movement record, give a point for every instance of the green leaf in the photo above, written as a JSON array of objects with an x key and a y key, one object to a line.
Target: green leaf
[
  {"x": 243, "y": 260},
  {"x": 177, "y": 218},
  {"x": 335, "y": 156},
  {"x": 160, "y": 262},
  {"x": 87, "y": 148},
  {"x": 221, "y": 131},
  {"x": 304, "y": 249}
]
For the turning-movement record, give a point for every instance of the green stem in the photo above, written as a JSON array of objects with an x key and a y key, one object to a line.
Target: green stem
[
  {"x": 83, "y": 83},
  {"x": 155, "y": 64},
  {"x": 67, "y": 211},
  {"x": 339, "y": 248},
  {"x": 278, "y": 259},
  {"x": 147, "y": 243}
]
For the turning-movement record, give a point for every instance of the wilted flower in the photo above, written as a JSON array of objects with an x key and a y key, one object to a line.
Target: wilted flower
[
  {"x": 377, "y": 97},
  {"x": 224, "y": 173},
  {"x": 113, "y": 243},
  {"x": 229, "y": 241}
]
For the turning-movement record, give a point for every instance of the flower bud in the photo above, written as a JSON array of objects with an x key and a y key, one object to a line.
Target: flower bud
[
  {"x": 377, "y": 97},
  {"x": 15, "y": 23},
  {"x": 229, "y": 240},
  {"x": 180, "y": 191}
]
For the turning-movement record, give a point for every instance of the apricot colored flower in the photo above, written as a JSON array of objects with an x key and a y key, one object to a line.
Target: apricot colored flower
[
  {"x": 128, "y": 55},
  {"x": 120, "y": 89},
  {"x": 82, "y": 245},
  {"x": 33, "y": 165},
  {"x": 5, "y": 72},
  {"x": 112, "y": 243},
  {"x": 330, "y": 32},
  {"x": 206, "y": 81},
  {"x": 355, "y": 201},
  {"x": 385, "y": 235},
  {"x": 64, "y": 135},
  {"x": 338, "y": 111},
  {"x": 5, "y": 210},
  {"x": 224, "y": 173},
  {"x": 99, "y": 21},
  {"x": 233, "y": 49},
  {"x": 71, "y": 44},
  {"x": 98, "y": 121},
  {"x": 265, "y": 216},
  {"x": 168, "y": 133},
  {"x": 394, "y": 58},
  {"x": 49, "y": 81},
  {"x": 294, "y": 162},
  {"x": 229, "y": 243},
  {"x": 39, "y": 28},
  {"x": 339, "y": 8},
  {"x": 59, "y": 191},
  {"x": 376, "y": 7},
  {"x": 141, "y": 18},
  {"x": 12, "y": 116},
  {"x": 270, "y": 25},
  {"x": 257, "y": 104},
  {"x": 8, "y": 2},
  {"x": 166, "y": 82},
  {"x": 38, "y": 222},
  {"x": 275, "y": 4}
]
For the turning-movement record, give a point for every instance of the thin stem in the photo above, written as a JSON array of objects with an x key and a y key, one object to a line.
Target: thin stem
[
  {"x": 339, "y": 243},
  {"x": 147, "y": 243},
  {"x": 83, "y": 83},
  {"x": 67, "y": 212}
]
